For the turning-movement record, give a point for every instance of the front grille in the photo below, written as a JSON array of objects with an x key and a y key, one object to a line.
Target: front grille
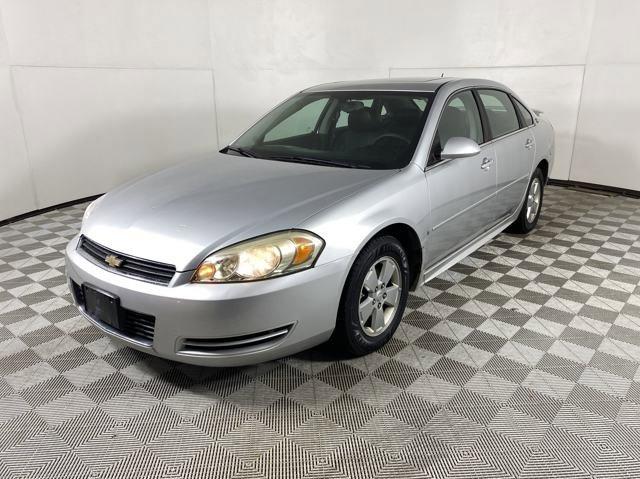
[
  {"x": 134, "y": 325},
  {"x": 225, "y": 345},
  {"x": 130, "y": 266}
]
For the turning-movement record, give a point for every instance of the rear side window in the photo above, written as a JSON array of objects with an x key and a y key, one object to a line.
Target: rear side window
[
  {"x": 524, "y": 113},
  {"x": 300, "y": 123},
  {"x": 420, "y": 103},
  {"x": 500, "y": 112}
]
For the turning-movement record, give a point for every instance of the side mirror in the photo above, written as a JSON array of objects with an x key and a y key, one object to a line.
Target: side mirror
[{"x": 459, "y": 147}]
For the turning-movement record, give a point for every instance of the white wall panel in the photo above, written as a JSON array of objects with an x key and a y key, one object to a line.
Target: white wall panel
[
  {"x": 243, "y": 95},
  {"x": 615, "y": 36},
  {"x": 16, "y": 190},
  {"x": 147, "y": 33},
  {"x": 134, "y": 90},
  {"x": 4, "y": 51},
  {"x": 308, "y": 34},
  {"x": 89, "y": 130},
  {"x": 554, "y": 90},
  {"x": 607, "y": 150}
]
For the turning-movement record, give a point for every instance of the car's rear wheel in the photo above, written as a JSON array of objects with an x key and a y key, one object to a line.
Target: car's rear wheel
[
  {"x": 374, "y": 297},
  {"x": 530, "y": 212}
]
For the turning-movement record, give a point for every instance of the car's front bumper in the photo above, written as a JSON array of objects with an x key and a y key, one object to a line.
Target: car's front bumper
[{"x": 305, "y": 303}]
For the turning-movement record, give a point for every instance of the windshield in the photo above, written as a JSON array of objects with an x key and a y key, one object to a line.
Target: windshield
[{"x": 378, "y": 130}]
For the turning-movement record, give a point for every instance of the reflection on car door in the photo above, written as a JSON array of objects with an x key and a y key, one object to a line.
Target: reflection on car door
[
  {"x": 461, "y": 191},
  {"x": 515, "y": 149}
]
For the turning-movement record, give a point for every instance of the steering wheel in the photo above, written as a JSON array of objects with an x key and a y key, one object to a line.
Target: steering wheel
[{"x": 388, "y": 139}]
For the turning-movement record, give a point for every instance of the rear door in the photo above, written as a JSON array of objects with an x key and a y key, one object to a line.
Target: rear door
[
  {"x": 514, "y": 145},
  {"x": 462, "y": 190}
]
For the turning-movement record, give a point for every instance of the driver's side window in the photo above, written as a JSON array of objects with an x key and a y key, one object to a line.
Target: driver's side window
[{"x": 460, "y": 117}]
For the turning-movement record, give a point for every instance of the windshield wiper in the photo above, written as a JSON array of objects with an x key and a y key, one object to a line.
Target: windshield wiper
[
  {"x": 315, "y": 161},
  {"x": 239, "y": 150}
]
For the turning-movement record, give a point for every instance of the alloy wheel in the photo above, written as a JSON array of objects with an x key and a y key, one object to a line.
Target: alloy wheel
[
  {"x": 379, "y": 296},
  {"x": 533, "y": 200}
]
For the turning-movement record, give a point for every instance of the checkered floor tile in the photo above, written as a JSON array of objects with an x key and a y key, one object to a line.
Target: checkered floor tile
[{"x": 520, "y": 361}]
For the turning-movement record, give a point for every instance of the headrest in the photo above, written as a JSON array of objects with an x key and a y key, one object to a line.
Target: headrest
[
  {"x": 407, "y": 116},
  {"x": 361, "y": 120},
  {"x": 352, "y": 105}
]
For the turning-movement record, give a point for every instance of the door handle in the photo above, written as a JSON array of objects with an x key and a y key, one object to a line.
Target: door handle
[
  {"x": 486, "y": 163},
  {"x": 528, "y": 144}
]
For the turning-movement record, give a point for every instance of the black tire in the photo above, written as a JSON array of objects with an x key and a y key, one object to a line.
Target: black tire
[
  {"x": 522, "y": 225},
  {"x": 350, "y": 336}
]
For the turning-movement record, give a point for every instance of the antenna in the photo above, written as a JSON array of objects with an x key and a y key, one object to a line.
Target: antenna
[{"x": 442, "y": 75}]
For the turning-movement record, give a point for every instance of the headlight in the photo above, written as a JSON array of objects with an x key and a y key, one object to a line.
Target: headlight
[
  {"x": 265, "y": 257},
  {"x": 89, "y": 209}
]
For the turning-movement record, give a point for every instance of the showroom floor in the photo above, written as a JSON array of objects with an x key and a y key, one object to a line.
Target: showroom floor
[{"x": 521, "y": 361}]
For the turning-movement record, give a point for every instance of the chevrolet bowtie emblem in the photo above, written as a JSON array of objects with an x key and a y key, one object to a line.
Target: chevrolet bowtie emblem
[{"x": 113, "y": 261}]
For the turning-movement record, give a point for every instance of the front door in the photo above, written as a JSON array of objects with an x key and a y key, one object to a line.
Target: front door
[{"x": 461, "y": 191}]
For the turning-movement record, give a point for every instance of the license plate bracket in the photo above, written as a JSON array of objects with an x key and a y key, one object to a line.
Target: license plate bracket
[{"x": 102, "y": 306}]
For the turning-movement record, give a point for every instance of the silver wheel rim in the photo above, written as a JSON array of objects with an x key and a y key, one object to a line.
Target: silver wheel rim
[
  {"x": 533, "y": 200},
  {"x": 379, "y": 296}
]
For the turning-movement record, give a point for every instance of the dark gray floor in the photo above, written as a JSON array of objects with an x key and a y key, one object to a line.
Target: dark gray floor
[{"x": 521, "y": 361}]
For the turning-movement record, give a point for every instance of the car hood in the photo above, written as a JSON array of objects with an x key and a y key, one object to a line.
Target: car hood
[{"x": 179, "y": 215}]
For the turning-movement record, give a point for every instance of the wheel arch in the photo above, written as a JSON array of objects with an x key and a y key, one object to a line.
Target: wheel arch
[
  {"x": 410, "y": 241},
  {"x": 544, "y": 167},
  {"x": 408, "y": 238}
]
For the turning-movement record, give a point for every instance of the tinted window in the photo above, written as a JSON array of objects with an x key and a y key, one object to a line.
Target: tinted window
[
  {"x": 500, "y": 112},
  {"x": 377, "y": 130},
  {"x": 344, "y": 116},
  {"x": 420, "y": 103},
  {"x": 524, "y": 113},
  {"x": 459, "y": 118},
  {"x": 301, "y": 122}
]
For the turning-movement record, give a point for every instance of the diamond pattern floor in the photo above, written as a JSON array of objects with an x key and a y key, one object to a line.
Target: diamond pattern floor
[{"x": 520, "y": 361}]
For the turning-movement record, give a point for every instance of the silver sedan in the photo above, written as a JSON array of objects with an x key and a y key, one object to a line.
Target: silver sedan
[{"x": 314, "y": 224}]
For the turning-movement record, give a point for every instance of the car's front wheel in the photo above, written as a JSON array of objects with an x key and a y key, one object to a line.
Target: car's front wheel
[{"x": 374, "y": 297}]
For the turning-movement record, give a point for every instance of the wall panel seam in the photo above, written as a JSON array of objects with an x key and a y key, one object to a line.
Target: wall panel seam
[
  {"x": 215, "y": 108},
  {"x": 110, "y": 67},
  {"x": 575, "y": 131},
  {"x": 492, "y": 67},
  {"x": 213, "y": 75},
  {"x": 16, "y": 104},
  {"x": 584, "y": 73}
]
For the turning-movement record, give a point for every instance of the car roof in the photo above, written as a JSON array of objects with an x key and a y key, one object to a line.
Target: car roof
[{"x": 402, "y": 84}]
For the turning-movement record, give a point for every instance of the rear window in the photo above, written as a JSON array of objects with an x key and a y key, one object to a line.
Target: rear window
[
  {"x": 524, "y": 113},
  {"x": 300, "y": 123}
]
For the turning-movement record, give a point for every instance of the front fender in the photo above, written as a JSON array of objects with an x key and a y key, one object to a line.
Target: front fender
[{"x": 348, "y": 226}]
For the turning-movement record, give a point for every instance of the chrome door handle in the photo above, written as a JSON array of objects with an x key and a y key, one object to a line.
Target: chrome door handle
[
  {"x": 486, "y": 163},
  {"x": 528, "y": 144}
]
